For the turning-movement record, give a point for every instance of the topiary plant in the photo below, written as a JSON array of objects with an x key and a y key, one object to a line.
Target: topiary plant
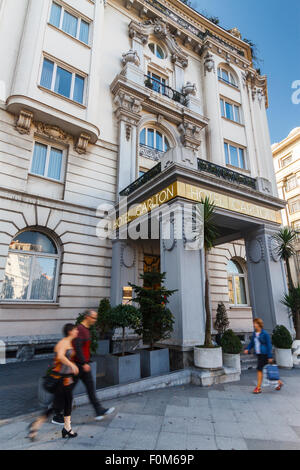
[
  {"x": 231, "y": 343},
  {"x": 103, "y": 324},
  {"x": 221, "y": 322},
  {"x": 125, "y": 316},
  {"x": 282, "y": 338}
]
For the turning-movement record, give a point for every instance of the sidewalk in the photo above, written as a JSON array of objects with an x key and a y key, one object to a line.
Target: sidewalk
[{"x": 186, "y": 417}]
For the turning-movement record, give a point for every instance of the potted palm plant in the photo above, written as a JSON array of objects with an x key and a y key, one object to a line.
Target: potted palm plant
[
  {"x": 156, "y": 322},
  {"x": 124, "y": 367},
  {"x": 292, "y": 301},
  {"x": 282, "y": 341},
  {"x": 221, "y": 322},
  {"x": 286, "y": 238},
  {"x": 232, "y": 347},
  {"x": 208, "y": 356},
  {"x": 103, "y": 326}
]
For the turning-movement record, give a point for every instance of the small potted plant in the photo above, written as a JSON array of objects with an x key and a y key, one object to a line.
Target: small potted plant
[
  {"x": 221, "y": 322},
  {"x": 232, "y": 347},
  {"x": 148, "y": 83},
  {"x": 125, "y": 366},
  {"x": 103, "y": 326},
  {"x": 156, "y": 322},
  {"x": 282, "y": 341}
]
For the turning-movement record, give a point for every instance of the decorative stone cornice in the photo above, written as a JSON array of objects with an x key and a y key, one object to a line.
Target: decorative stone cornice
[
  {"x": 160, "y": 29},
  {"x": 128, "y": 107},
  {"x": 24, "y": 122},
  {"x": 257, "y": 84}
]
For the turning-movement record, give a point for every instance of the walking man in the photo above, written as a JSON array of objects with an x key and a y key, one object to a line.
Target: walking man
[{"x": 82, "y": 359}]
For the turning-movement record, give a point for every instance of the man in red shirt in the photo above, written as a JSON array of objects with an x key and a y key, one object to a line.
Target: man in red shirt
[{"x": 82, "y": 359}]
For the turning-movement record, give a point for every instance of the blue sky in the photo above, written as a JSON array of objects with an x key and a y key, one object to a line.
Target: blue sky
[{"x": 274, "y": 26}]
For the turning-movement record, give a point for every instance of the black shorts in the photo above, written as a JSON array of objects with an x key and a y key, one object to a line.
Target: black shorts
[{"x": 262, "y": 361}]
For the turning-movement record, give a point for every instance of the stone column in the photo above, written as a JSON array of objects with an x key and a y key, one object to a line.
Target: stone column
[
  {"x": 212, "y": 111},
  {"x": 266, "y": 278},
  {"x": 127, "y": 113},
  {"x": 124, "y": 269},
  {"x": 184, "y": 270}
]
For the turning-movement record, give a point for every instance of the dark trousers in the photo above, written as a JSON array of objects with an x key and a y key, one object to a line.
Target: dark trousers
[
  {"x": 87, "y": 379},
  {"x": 62, "y": 400}
]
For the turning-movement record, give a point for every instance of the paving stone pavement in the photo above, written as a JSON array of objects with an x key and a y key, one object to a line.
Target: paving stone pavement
[{"x": 189, "y": 417}]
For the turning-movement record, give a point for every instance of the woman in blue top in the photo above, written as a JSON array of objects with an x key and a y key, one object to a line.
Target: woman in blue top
[{"x": 261, "y": 343}]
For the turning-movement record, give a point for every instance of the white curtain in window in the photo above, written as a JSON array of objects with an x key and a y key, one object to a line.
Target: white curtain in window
[
  {"x": 55, "y": 164},
  {"x": 39, "y": 159},
  {"x": 70, "y": 24}
]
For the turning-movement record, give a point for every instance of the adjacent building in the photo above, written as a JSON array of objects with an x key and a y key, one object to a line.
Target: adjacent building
[
  {"x": 286, "y": 155},
  {"x": 146, "y": 99}
]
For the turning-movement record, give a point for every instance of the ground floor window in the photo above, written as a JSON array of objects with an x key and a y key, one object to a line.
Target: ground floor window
[
  {"x": 31, "y": 268},
  {"x": 236, "y": 284}
]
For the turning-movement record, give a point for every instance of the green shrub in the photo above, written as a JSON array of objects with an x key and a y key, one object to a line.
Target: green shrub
[
  {"x": 125, "y": 316},
  {"x": 282, "y": 338},
  {"x": 103, "y": 324},
  {"x": 231, "y": 343},
  {"x": 221, "y": 322}
]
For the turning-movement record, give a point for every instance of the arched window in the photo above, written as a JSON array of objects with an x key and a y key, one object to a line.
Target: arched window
[
  {"x": 236, "y": 284},
  {"x": 156, "y": 50},
  {"x": 31, "y": 268},
  {"x": 226, "y": 76},
  {"x": 154, "y": 139}
]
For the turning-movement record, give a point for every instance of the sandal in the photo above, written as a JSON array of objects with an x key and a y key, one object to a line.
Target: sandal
[
  {"x": 257, "y": 390},
  {"x": 279, "y": 386}
]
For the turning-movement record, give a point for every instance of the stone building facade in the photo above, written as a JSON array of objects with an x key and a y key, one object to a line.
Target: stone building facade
[{"x": 99, "y": 98}]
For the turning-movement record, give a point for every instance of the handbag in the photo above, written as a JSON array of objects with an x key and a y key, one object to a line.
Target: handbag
[
  {"x": 50, "y": 383},
  {"x": 273, "y": 372}
]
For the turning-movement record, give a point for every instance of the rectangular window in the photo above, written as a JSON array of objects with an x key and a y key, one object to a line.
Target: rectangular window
[
  {"x": 47, "y": 161},
  {"x": 291, "y": 183},
  {"x": 55, "y": 14},
  {"x": 234, "y": 156},
  {"x": 294, "y": 206},
  {"x": 62, "y": 81},
  {"x": 230, "y": 111},
  {"x": 69, "y": 23},
  {"x": 286, "y": 161}
]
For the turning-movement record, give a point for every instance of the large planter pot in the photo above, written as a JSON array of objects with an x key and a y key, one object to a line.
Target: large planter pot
[
  {"x": 123, "y": 369},
  {"x": 208, "y": 358},
  {"x": 284, "y": 358},
  {"x": 156, "y": 362},
  {"x": 232, "y": 360},
  {"x": 296, "y": 353},
  {"x": 44, "y": 397},
  {"x": 103, "y": 347},
  {"x": 80, "y": 387}
]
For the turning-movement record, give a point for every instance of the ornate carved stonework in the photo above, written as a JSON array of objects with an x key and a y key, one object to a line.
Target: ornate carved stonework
[
  {"x": 209, "y": 63},
  {"x": 130, "y": 57},
  {"x": 127, "y": 256},
  {"x": 82, "y": 143},
  {"x": 190, "y": 134},
  {"x": 235, "y": 32},
  {"x": 160, "y": 29},
  {"x": 52, "y": 132},
  {"x": 151, "y": 153},
  {"x": 257, "y": 85},
  {"x": 24, "y": 122},
  {"x": 256, "y": 253},
  {"x": 274, "y": 249},
  {"x": 189, "y": 89},
  {"x": 128, "y": 107}
]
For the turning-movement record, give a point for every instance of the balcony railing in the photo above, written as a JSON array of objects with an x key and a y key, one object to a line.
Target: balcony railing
[
  {"x": 226, "y": 174},
  {"x": 141, "y": 180},
  {"x": 164, "y": 90},
  {"x": 150, "y": 152}
]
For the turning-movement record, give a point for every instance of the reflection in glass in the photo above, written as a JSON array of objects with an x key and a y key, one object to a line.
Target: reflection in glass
[
  {"x": 17, "y": 275},
  {"x": 63, "y": 82},
  {"x": 33, "y": 241},
  {"x": 43, "y": 279}
]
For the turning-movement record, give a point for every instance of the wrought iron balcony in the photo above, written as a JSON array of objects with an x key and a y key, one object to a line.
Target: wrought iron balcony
[
  {"x": 150, "y": 152},
  {"x": 164, "y": 90},
  {"x": 141, "y": 180},
  {"x": 226, "y": 174}
]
